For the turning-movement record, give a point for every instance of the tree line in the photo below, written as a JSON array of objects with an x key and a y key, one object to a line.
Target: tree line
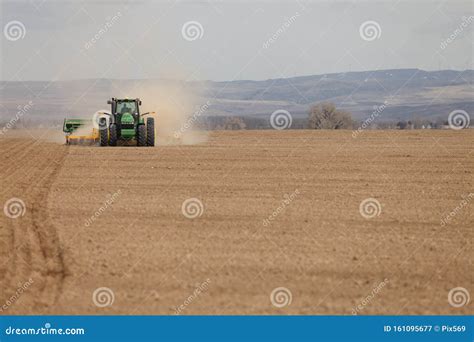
[{"x": 320, "y": 116}]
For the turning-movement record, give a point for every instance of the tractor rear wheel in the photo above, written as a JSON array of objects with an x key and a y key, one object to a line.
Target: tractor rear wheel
[
  {"x": 113, "y": 135},
  {"x": 141, "y": 138},
  {"x": 104, "y": 136},
  {"x": 150, "y": 132}
]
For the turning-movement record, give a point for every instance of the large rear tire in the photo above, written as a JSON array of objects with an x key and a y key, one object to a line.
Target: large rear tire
[
  {"x": 141, "y": 138},
  {"x": 113, "y": 135},
  {"x": 150, "y": 132},
  {"x": 104, "y": 136}
]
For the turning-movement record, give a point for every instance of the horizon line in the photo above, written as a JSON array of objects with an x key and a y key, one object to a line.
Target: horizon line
[{"x": 235, "y": 80}]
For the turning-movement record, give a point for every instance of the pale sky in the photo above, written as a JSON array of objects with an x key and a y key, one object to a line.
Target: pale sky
[{"x": 239, "y": 39}]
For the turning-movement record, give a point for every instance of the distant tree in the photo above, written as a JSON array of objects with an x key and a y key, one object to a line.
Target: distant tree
[
  {"x": 417, "y": 123},
  {"x": 326, "y": 116},
  {"x": 402, "y": 124},
  {"x": 233, "y": 123},
  {"x": 386, "y": 125},
  {"x": 439, "y": 123}
]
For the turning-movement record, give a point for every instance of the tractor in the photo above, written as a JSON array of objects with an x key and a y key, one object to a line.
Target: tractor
[{"x": 126, "y": 124}]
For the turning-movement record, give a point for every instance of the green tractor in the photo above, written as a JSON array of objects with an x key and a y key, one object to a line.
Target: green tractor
[{"x": 126, "y": 124}]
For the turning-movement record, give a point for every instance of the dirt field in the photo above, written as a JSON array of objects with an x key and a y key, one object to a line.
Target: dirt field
[{"x": 279, "y": 209}]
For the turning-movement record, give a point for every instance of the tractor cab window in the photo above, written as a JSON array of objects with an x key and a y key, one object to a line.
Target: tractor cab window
[{"x": 126, "y": 107}]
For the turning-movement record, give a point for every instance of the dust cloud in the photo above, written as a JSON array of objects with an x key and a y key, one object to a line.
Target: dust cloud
[{"x": 176, "y": 106}]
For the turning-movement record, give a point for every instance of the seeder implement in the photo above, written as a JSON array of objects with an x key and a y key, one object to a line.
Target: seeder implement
[{"x": 76, "y": 133}]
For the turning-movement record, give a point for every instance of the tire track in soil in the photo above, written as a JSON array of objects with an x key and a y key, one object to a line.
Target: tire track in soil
[{"x": 31, "y": 242}]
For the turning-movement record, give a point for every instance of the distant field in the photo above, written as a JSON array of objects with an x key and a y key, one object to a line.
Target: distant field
[{"x": 279, "y": 209}]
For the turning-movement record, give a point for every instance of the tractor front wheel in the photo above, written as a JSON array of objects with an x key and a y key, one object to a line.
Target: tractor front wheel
[
  {"x": 150, "y": 132},
  {"x": 141, "y": 138},
  {"x": 113, "y": 135},
  {"x": 104, "y": 136}
]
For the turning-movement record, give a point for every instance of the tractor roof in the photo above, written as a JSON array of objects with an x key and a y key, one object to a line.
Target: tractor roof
[{"x": 126, "y": 100}]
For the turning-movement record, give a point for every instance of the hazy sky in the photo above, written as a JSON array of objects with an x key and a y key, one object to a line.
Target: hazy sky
[{"x": 238, "y": 40}]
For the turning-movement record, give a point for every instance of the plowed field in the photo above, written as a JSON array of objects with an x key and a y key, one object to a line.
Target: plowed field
[{"x": 377, "y": 224}]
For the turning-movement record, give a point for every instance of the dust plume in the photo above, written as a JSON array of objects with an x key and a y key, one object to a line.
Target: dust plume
[{"x": 177, "y": 106}]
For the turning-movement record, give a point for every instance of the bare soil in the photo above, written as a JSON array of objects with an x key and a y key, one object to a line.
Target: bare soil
[{"x": 280, "y": 209}]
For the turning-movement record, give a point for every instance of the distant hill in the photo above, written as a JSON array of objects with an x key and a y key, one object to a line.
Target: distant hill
[{"x": 409, "y": 93}]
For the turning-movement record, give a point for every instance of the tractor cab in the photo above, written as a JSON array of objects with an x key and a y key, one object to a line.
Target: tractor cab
[
  {"x": 123, "y": 106},
  {"x": 126, "y": 115}
]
